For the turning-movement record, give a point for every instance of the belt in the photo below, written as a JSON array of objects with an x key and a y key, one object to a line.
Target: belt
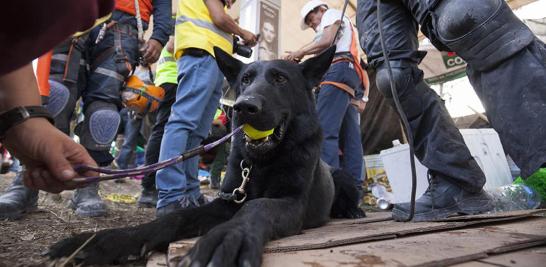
[{"x": 195, "y": 52}]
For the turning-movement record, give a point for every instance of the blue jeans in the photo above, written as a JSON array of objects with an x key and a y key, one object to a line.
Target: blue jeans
[
  {"x": 130, "y": 138},
  {"x": 340, "y": 120},
  {"x": 197, "y": 97}
]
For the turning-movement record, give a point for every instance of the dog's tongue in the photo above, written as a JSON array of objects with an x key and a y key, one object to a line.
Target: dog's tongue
[{"x": 256, "y": 134}]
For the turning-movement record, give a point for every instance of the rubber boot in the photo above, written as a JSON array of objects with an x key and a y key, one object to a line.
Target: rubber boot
[
  {"x": 148, "y": 198},
  {"x": 443, "y": 199},
  {"x": 17, "y": 200},
  {"x": 87, "y": 202}
]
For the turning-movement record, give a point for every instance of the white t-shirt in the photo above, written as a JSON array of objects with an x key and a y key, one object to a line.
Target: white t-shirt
[{"x": 345, "y": 36}]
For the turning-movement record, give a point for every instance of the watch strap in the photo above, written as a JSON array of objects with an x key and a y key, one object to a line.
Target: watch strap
[{"x": 18, "y": 115}]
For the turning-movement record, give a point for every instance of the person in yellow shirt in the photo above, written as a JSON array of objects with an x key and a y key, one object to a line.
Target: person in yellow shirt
[{"x": 201, "y": 25}]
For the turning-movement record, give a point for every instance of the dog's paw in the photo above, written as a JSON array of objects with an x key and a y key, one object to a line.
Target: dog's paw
[
  {"x": 105, "y": 247},
  {"x": 225, "y": 246}
]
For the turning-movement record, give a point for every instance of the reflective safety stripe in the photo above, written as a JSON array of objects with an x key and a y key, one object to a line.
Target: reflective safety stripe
[
  {"x": 110, "y": 73},
  {"x": 204, "y": 24},
  {"x": 165, "y": 60},
  {"x": 64, "y": 58}
]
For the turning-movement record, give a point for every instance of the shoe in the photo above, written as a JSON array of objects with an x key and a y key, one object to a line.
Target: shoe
[
  {"x": 184, "y": 203},
  {"x": 17, "y": 200},
  {"x": 443, "y": 199},
  {"x": 87, "y": 202},
  {"x": 148, "y": 198}
]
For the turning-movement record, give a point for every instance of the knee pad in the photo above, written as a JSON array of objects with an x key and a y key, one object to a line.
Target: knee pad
[
  {"x": 100, "y": 126},
  {"x": 59, "y": 95},
  {"x": 410, "y": 97},
  {"x": 383, "y": 81},
  {"x": 482, "y": 32}
]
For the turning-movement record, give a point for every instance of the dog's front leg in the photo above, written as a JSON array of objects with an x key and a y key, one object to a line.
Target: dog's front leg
[
  {"x": 123, "y": 244},
  {"x": 240, "y": 241}
]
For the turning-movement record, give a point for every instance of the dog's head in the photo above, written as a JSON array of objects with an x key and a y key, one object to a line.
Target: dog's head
[{"x": 270, "y": 94}]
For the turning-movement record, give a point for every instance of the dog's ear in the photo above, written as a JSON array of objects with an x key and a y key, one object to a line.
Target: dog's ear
[
  {"x": 314, "y": 68},
  {"x": 229, "y": 65}
]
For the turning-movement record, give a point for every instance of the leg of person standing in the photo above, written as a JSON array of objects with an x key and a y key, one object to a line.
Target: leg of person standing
[
  {"x": 148, "y": 196},
  {"x": 111, "y": 61},
  {"x": 506, "y": 67},
  {"x": 456, "y": 181},
  {"x": 197, "y": 96}
]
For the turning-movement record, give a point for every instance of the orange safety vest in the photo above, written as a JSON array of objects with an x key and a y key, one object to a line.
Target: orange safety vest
[
  {"x": 362, "y": 74},
  {"x": 128, "y": 6}
]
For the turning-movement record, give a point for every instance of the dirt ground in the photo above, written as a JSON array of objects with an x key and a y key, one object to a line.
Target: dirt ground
[{"x": 23, "y": 241}]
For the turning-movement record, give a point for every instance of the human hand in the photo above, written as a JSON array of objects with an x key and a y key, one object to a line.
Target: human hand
[
  {"x": 151, "y": 51},
  {"x": 249, "y": 38},
  {"x": 294, "y": 56},
  {"x": 47, "y": 154}
]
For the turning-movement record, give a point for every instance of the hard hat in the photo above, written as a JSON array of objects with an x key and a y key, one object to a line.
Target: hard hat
[
  {"x": 307, "y": 8},
  {"x": 141, "y": 97}
]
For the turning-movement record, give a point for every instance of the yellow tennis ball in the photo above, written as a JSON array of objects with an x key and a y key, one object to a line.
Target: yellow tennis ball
[{"x": 256, "y": 134}]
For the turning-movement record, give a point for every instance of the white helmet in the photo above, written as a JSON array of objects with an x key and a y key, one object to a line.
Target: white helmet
[{"x": 307, "y": 8}]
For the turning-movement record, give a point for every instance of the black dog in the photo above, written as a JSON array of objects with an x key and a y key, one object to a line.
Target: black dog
[{"x": 289, "y": 187}]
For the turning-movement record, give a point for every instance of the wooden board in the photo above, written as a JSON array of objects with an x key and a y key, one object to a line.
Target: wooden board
[
  {"x": 433, "y": 249},
  {"x": 377, "y": 226},
  {"x": 526, "y": 257}
]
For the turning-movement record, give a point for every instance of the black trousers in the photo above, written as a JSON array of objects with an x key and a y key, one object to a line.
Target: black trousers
[
  {"x": 512, "y": 90},
  {"x": 154, "y": 142}
]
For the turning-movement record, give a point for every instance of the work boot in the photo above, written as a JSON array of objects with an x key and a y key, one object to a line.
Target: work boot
[
  {"x": 185, "y": 202},
  {"x": 148, "y": 198},
  {"x": 17, "y": 200},
  {"x": 443, "y": 199},
  {"x": 87, "y": 202}
]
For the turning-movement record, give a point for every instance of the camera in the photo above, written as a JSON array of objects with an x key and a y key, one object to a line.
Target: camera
[{"x": 241, "y": 49}]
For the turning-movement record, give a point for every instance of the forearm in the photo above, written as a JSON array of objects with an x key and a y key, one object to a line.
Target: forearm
[
  {"x": 19, "y": 88},
  {"x": 162, "y": 21},
  {"x": 222, "y": 20},
  {"x": 229, "y": 25},
  {"x": 325, "y": 41},
  {"x": 314, "y": 48}
]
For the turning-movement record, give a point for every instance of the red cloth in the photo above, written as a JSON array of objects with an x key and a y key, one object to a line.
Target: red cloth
[
  {"x": 30, "y": 28},
  {"x": 128, "y": 6}
]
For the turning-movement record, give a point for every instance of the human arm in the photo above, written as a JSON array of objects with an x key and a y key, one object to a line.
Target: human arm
[
  {"x": 43, "y": 25},
  {"x": 47, "y": 153},
  {"x": 317, "y": 46},
  {"x": 163, "y": 28},
  {"x": 223, "y": 21}
]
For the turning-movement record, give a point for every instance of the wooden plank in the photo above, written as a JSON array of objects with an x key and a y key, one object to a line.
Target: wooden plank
[
  {"x": 344, "y": 232},
  {"x": 516, "y": 213},
  {"x": 434, "y": 249},
  {"x": 157, "y": 259},
  {"x": 527, "y": 257}
]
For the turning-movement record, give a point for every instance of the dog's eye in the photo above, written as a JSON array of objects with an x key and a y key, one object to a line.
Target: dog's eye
[
  {"x": 246, "y": 79},
  {"x": 279, "y": 79}
]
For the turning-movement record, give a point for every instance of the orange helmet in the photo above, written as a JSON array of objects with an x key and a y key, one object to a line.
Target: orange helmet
[{"x": 141, "y": 97}]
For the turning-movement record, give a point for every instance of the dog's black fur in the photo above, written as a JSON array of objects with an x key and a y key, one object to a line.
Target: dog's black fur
[{"x": 290, "y": 188}]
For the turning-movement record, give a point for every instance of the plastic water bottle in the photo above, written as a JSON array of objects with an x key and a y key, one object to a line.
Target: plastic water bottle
[
  {"x": 515, "y": 197},
  {"x": 384, "y": 197}
]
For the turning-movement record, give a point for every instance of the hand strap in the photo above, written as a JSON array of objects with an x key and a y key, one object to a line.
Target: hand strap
[{"x": 18, "y": 115}]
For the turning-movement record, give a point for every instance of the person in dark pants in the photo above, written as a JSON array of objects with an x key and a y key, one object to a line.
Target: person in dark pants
[
  {"x": 166, "y": 78},
  {"x": 506, "y": 66}
]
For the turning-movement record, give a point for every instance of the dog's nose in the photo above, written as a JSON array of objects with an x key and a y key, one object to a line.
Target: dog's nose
[{"x": 248, "y": 105}]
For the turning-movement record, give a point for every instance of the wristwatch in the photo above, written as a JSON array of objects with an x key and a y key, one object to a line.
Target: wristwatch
[{"x": 18, "y": 115}]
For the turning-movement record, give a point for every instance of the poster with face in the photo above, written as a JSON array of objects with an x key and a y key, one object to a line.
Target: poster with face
[{"x": 268, "y": 45}]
